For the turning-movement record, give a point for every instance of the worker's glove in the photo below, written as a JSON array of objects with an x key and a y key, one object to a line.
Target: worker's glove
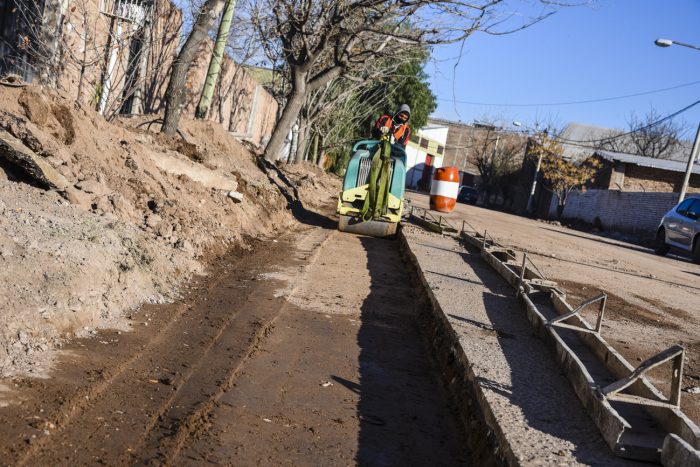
[{"x": 384, "y": 130}]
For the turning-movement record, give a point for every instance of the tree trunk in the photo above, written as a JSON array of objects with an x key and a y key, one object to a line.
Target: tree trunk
[
  {"x": 176, "y": 92},
  {"x": 302, "y": 142},
  {"x": 49, "y": 34},
  {"x": 216, "y": 58},
  {"x": 293, "y": 145},
  {"x": 314, "y": 149},
  {"x": 561, "y": 203},
  {"x": 286, "y": 121},
  {"x": 560, "y": 209}
]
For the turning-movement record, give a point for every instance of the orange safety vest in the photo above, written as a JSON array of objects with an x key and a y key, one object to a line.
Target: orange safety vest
[{"x": 400, "y": 131}]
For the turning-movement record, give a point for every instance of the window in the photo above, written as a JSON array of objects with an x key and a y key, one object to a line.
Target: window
[
  {"x": 694, "y": 209},
  {"x": 440, "y": 149},
  {"x": 682, "y": 208},
  {"x": 423, "y": 143}
]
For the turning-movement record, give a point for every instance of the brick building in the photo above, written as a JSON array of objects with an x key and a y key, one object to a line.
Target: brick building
[
  {"x": 630, "y": 193},
  {"x": 629, "y": 172},
  {"x": 116, "y": 56},
  {"x": 465, "y": 140}
]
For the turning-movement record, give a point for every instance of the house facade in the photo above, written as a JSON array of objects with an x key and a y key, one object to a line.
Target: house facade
[{"x": 425, "y": 151}]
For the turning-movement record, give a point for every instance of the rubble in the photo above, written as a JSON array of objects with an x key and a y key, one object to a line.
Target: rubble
[{"x": 13, "y": 151}]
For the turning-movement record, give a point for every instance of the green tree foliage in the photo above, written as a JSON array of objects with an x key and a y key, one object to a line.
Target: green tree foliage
[
  {"x": 560, "y": 175},
  {"x": 408, "y": 85}
]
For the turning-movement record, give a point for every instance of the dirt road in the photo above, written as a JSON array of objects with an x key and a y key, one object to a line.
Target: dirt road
[
  {"x": 652, "y": 301},
  {"x": 304, "y": 351}
]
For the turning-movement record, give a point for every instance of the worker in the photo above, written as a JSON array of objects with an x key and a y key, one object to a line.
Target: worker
[{"x": 396, "y": 126}]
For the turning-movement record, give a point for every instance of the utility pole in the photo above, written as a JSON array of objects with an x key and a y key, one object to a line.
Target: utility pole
[
  {"x": 216, "y": 60},
  {"x": 531, "y": 197},
  {"x": 691, "y": 162}
]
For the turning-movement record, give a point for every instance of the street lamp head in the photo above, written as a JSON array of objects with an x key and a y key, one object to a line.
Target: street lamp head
[
  {"x": 663, "y": 42},
  {"x": 517, "y": 123}
]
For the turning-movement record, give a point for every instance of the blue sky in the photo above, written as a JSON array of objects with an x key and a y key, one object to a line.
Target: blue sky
[{"x": 598, "y": 51}]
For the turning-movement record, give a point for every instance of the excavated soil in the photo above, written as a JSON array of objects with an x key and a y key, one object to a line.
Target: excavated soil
[{"x": 142, "y": 212}]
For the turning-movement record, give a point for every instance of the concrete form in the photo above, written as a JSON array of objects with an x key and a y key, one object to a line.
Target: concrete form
[
  {"x": 634, "y": 418},
  {"x": 496, "y": 367}
]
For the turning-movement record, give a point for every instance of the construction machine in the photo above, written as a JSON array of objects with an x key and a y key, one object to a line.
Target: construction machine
[{"x": 372, "y": 199}]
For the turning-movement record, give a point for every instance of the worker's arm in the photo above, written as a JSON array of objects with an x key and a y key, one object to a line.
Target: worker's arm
[{"x": 383, "y": 122}]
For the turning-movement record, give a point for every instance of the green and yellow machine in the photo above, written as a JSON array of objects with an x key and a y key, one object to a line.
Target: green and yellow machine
[{"x": 371, "y": 202}]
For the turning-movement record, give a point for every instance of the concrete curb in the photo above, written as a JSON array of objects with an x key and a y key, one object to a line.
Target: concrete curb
[{"x": 484, "y": 435}]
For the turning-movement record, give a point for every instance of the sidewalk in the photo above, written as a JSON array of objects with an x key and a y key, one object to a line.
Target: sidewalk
[{"x": 531, "y": 412}]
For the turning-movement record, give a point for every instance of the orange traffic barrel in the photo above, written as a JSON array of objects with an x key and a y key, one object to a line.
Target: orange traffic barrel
[{"x": 444, "y": 189}]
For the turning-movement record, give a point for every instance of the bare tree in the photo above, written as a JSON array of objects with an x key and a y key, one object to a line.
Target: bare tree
[
  {"x": 319, "y": 41},
  {"x": 497, "y": 156},
  {"x": 646, "y": 137},
  {"x": 176, "y": 93}
]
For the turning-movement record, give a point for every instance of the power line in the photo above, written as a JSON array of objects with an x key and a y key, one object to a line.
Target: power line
[
  {"x": 593, "y": 143},
  {"x": 622, "y": 135},
  {"x": 587, "y": 101}
]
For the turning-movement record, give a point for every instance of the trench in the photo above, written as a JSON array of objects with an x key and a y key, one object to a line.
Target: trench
[{"x": 347, "y": 365}]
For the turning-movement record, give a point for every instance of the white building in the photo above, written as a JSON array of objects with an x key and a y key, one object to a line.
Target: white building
[{"x": 424, "y": 152}]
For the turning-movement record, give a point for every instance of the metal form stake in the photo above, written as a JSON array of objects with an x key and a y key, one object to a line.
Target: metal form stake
[
  {"x": 676, "y": 353},
  {"x": 522, "y": 275},
  {"x": 483, "y": 245},
  {"x": 691, "y": 162},
  {"x": 601, "y": 312},
  {"x": 676, "y": 380}
]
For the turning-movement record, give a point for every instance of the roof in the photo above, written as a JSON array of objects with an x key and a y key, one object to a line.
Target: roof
[
  {"x": 586, "y": 133},
  {"x": 582, "y": 132},
  {"x": 661, "y": 164}
]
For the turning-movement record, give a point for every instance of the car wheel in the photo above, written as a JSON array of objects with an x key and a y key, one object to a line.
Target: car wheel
[
  {"x": 660, "y": 246},
  {"x": 696, "y": 251}
]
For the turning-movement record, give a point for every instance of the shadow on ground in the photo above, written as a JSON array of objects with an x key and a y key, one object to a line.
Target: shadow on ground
[
  {"x": 406, "y": 416},
  {"x": 289, "y": 190}
]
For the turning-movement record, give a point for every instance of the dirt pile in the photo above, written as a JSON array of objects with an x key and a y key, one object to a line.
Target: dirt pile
[{"x": 140, "y": 213}]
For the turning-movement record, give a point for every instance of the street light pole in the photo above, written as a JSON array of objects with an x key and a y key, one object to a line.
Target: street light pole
[
  {"x": 696, "y": 144},
  {"x": 669, "y": 43},
  {"x": 531, "y": 197},
  {"x": 691, "y": 162}
]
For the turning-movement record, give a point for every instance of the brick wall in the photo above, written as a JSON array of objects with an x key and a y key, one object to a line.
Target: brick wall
[
  {"x": 464, "y": 140},
  {"x": 90, "y": 39},
  {"x": 649, "y": 179},
  {"x": 637, "y": 213},
  {"x": 239, "y": 103}
]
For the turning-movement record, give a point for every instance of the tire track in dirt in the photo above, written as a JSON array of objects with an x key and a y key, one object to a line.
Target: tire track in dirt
[
  {"x": 110, "y": 420},
  {"x": 163, "y": 444},
  {"x": 346, "y": 378}
]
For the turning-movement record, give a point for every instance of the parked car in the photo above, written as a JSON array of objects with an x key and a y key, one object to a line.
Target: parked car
[
  {"x": 680, "y": 229},
  {"x": 467, "y": 194}
]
